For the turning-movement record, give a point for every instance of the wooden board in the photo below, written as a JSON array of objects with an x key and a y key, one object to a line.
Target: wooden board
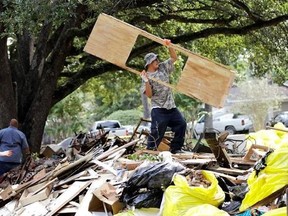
[
  {"x": 84, "y": 205},
  {"x": 67, "y": 196},
  {"x": 112, "y": 40},
  {"x": 219, "y": 151}
]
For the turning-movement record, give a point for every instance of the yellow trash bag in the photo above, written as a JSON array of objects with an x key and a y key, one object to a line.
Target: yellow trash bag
[
  {"x": 205, "y": 210},
  {"x": 270, "y": 179},
  {"x": 180, "y": 198},
  {"x": 277, "y": 212},
  {"x": 270, "y": 138},
  {"x": 280, "y": 126}
]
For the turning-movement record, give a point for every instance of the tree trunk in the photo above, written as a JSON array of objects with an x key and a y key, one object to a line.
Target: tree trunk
[
  {"x": 36, "y": 117},
  {"x": 35, "y": 79},
  {"x": 7, "y": 93}
]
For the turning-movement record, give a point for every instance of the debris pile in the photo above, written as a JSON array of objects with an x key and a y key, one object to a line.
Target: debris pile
[{"x": 99, "y": 176}]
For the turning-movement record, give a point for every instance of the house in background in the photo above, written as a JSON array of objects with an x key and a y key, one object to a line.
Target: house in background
[
  {"x": 284, "y": 89},
  {"x": 234, "y": 95}
]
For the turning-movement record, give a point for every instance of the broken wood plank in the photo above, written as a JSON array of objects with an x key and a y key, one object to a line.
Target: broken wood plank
[
  {"x": 67, "y": 196},
  {"x": 62, "y": 170},
  {"x": 233, "y": 179},
  {"x": 230, "y": 171},
  {"x": 105, "y": 166},
  {"x": 75, "y": 204},
  {"x": 19, "y": 188},
  {"x": 250, "y": 152},
  {"x": 197, "y": 161},
  {"x": 68, "y": 210},
  {"x": 40, "y": 174},
  {"x": 72, "y": 178},
  {"x": 35, "y": 193},
  {"x": 116, "y": 155},
  {"x": 218, "y": 150},
  {"x": 43, "y": 187},
  {"x": 84, "y": 205},
  {"x": 139, "y": 152},
  {"x": 107, "y": 153},
  {"x": 35, "y": 208},
  {"x": 240, "y": 161},
  {"x": 7, "y": 192}
]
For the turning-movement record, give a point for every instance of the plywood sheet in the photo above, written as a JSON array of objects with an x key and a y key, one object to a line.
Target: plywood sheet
[
  {"x": 205, "y": 80},
  {"x": 112, "y": 40}
]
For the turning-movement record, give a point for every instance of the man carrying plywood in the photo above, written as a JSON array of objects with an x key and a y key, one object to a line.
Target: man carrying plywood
[
  {"x": 164, "y": 111},
  {"x": 200, "y": 78}
]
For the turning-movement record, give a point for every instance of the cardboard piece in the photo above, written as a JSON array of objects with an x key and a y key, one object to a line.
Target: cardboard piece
[
  {"x": 129, "y": 164},
  {"x": 164, "y": 145},
  {"x": 106, "y": 195},
  {"x": 84, "y": 204},
  {"x": 113, "y": 40},
  {"x": 40, "y": 175},
  {"x": 28, "y": 197}
]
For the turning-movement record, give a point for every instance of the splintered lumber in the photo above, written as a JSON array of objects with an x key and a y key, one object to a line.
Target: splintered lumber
[
  {"x": 233, "y": 179},
  {"x": 218, "y": 151},
  {"x": 110, "y": 152},
  {"x": 241, "y": 161},
  {"x": 252, "y": 151},
  {"x": 68, "y": 210},
  {"x": 72, "y": 178},
  {"x": 14, "y": 191},
  {"x": 43, "y": 187},
  {"x": 113, "y": 40},
  {"x": 234, "y": 172},
  {"x": 67, "y": 196},
  {"x": 84, "y": 205},
  {"x": 105, "y": 166},
  {"x": 71, "y": 166},
  {"x": 199, "y": 161}
]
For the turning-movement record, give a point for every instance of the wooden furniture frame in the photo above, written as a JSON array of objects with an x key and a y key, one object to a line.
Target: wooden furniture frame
[{"x": 112, "y": 40}]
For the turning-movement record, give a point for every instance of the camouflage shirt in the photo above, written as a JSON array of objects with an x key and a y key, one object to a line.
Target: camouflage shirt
[{"x": 162, "y": 96}]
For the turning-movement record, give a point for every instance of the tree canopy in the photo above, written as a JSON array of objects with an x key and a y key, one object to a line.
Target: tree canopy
[{"x": 42, "y": 45}]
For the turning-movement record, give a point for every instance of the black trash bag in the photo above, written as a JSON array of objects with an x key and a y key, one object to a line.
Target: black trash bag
[
  {"x": 231, "y": 207},
  {"x": 155, "y": 175},
  {"x": 148, "y": 199},
  {"x": 153, "y": 178},
  {"x": 224, "y": 187},
  {"x": 239, "y": 191}
]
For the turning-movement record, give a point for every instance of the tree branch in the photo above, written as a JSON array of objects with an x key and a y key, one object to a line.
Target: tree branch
[
  {"x": 182, "y": 19},
  {"x": 80, "y": 78},
  {"x": 243, "y": 6}
]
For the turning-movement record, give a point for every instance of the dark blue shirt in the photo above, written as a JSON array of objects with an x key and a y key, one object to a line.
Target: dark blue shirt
[{"x": 12, "y": 139}]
